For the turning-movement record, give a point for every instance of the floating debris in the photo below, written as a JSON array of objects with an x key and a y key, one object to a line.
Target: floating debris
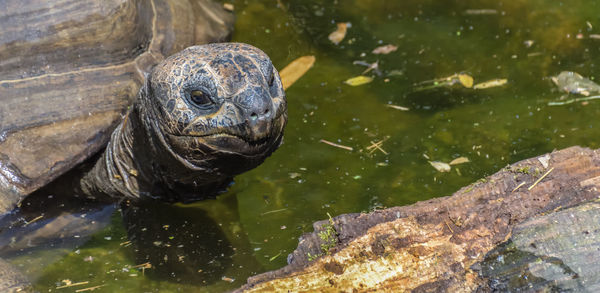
[
  {"x": 358, "y": 80},
  {"x": 336, "y": 145},
  {"x": 68, "y": 283},
  {"x": 275, "y": 257},
  {"x": 90, "y": 288},
  {"x": 573, "y": 101},
  {"x": 377, "y": 146},
  {"x": 397, "y": 107},
  {"x": 481, "y": 11},
  {"x": 440, "y": 166},
  {"x": 490, "y": 83},
  {"x": 273, "y": 211},
  {"x": 384, "y": 49},
  {"x": 88, "y": 258},
  {"x": 395, "y": 72},
  {"x": 464, "y": 79},
  {"x": 339, "y": 34},
  {"x": 33, "y": 220},
  {"x": 227, "y": 279},
  {"x": 528, "y": 43},
  {"x": 296, "y": 69},
  {"x": 574, "y": 83},
  {"x": 460, "y": 160},
  {"x": 370, "y": 66}
]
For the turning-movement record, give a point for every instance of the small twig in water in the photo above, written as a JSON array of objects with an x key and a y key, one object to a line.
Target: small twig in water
[
  {"x": 573, "y": 101},
  {"x": 377, "y": 146},
  {"x": 72, "y": 284},
  {"x": 273, "y": 211},
  {"x": 90, "y": 288},
  {"x": 397, "y": 107},
  {"x": 34, "y": 219},
  {"x": 336, "y": 145}
]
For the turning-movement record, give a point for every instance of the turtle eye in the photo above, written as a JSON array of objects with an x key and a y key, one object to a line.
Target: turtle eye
[{"x": 200, "y": 98}]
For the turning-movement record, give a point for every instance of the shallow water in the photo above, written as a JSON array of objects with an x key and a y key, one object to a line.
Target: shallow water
[{"x": 257, "y": 222}]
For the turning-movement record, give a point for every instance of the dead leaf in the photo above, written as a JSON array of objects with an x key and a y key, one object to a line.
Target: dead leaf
[
  {"x": 358, "y": 80},
  {"x": 228, "y": 6},
  {"x": 385, "y": 49},
  {"x": 460, "y": 160},
  {"x": 544, "y": 160},
  {"x": 440, "y": 166},
  {"x": 490, "y": 83},
  {"x": 466, "y": 80},
  {"x": 296, "y": 69},
  {"x": 339, "y": 34}
]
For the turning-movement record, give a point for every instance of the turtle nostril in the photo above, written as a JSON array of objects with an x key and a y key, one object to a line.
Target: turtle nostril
[
  {"x": 266, "y": 111},
  {"x": 253, "y": 116}
]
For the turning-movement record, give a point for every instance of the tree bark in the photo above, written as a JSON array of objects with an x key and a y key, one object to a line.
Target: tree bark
[{"x": 441, "y": 244}]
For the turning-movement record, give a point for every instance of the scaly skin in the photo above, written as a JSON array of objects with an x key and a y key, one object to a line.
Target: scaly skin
[{"x": 175, "y": 149}]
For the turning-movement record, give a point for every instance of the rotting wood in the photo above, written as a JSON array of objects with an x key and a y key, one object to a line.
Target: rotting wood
[{"x": 416, "y": 248}]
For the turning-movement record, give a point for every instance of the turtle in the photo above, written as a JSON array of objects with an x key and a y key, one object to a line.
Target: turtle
[{"x": 125, "y": 83}]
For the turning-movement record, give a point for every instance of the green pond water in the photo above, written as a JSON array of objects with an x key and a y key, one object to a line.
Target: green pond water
[{"x": 256, "y": 224}]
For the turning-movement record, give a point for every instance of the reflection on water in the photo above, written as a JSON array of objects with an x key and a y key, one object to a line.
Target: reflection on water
[
  {"x": 525, "y": 42},
  {"x": 183, "y": 245}
]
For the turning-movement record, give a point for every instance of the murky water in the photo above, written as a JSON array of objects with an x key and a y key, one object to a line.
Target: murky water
[{"x": 256, "y": 224}]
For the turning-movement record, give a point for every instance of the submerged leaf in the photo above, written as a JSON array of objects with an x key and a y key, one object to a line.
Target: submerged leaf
[
  {"x": 460, "y": 160},
  {"x": 358, "y": 80},
  {"x": 339, "y": 34},
  {"x": 466, "y": 80},
  {"x": 490, "y": 83},
  {"x": 385, "y": 49},
  {"x": 293, "y": 71},
  {"x": 440, "y": 166}
]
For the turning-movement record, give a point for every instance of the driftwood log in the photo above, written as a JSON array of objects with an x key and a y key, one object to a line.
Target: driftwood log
[{"x": 534, "y": 225}]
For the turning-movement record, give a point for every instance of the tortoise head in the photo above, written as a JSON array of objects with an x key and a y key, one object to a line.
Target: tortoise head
[{"x": 219, "y": 107}]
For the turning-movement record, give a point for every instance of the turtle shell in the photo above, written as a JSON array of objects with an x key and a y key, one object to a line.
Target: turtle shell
[{"x": 69, "y": 70}]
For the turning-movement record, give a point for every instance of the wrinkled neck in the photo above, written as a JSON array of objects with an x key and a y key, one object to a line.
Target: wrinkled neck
[{"x": 116, "y": 173}]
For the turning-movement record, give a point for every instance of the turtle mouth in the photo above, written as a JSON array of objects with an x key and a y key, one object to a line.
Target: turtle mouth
[
  {"x": 226, "y": 142},
  {"x": 232, "y": 143},
  {"x": 240, "y": 140}
]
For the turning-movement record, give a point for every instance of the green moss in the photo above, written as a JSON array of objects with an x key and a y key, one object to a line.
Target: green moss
[{"x": 328, "y": 236}]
